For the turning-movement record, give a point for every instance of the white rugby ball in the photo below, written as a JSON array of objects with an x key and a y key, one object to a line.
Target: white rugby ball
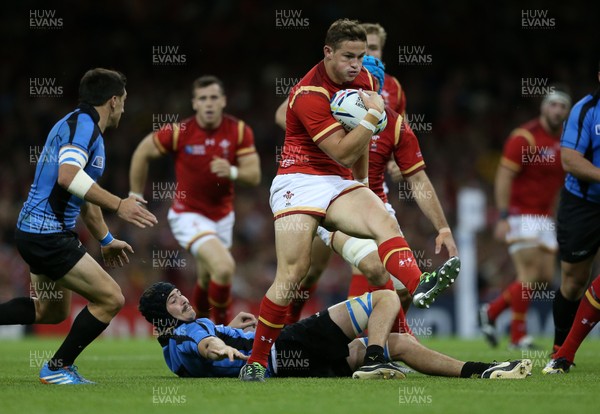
[{"x": 348, "y": 108}]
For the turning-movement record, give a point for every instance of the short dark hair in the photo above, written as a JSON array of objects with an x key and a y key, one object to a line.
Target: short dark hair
[
  {"x": 99, "y": 85},
  {"x": 207, "y": 80},
  {"x": 343, "y": 30}
]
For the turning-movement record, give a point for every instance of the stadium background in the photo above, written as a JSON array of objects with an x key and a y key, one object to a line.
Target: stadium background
[{"x": 463, "y": 99}]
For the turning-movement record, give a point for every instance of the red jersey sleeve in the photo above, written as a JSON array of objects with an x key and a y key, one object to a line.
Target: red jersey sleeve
[
  {"x": 407, "y": 151},
  {"x": 312, "y": 108},
  {"x": 515, "y": 147},
  {"x": 245, "y": 143},
  {"x": 166, "y": 138}
]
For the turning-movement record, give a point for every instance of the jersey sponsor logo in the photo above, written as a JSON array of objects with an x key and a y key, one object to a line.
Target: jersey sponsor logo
[
  {"x": 98, "y": 162},
  {"x": 195, "y": 149},
  {"x": 597, "y": 128}
]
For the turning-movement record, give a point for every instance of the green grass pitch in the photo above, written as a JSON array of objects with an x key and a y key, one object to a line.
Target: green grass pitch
[{"x": 132, "y": 378}]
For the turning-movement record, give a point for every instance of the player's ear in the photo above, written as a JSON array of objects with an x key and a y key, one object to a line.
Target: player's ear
[{"x": 327, "y": 51}]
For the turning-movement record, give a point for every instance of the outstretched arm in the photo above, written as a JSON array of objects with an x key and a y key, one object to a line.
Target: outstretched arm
[
  {"x": 215, "y": 349},
  {"x": 429, "y": 204},
  {"x": 138, "y": 170}
]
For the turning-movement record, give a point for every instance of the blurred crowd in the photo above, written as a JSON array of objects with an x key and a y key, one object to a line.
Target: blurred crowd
[{"x": 462, "y": 103}]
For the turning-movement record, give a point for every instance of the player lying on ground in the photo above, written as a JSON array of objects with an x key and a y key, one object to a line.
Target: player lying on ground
[{"x": 323, "y": 345}]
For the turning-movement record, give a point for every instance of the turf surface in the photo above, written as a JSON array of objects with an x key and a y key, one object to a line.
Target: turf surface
[{"x": 132, "y": 378}]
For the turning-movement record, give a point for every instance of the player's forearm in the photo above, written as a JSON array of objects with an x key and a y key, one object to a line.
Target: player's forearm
[
  {"x": 77, "y": 182},
  {"x": 360, "y": 169},
  {"x": 249, "y": 175},
  {"x": 138, "y": 172},
  {"x": 502, "y": 186},
  {"x": 575, "y": 164},
  {"x": 94, "y": 220},
  {"x": 427, "y": 199}
]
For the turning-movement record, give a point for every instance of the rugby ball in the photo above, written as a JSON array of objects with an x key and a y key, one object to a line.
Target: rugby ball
[{"x": 348, "y": 108}]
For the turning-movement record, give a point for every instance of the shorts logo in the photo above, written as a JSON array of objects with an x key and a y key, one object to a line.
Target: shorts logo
[
  {"x": 98, "y": 162},
  {"x": 288, "y": 196}
]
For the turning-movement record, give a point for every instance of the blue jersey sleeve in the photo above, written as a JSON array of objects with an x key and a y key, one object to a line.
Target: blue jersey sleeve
[
  {"x": 196, "y": 331},
  {"x": 575, "y": 136}
]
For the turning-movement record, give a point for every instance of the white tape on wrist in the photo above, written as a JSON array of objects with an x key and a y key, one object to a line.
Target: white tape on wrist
[
  {"x": 364, "y": 181},
  {"x": 367, "y": 125},
  {"x": 233, "y": 173},
  {"x": 138, "y": 195},
  {"x": 375, "y": 113},
  {"x": 444, "y": 230},
  {"x": 81, "y": 184}
]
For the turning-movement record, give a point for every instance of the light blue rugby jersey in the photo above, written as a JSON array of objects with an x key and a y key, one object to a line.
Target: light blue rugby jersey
[
  {"x": 183, "y": 358},
  {"x": 582, "y": 133},
  {"x": 49, "y": 207}
]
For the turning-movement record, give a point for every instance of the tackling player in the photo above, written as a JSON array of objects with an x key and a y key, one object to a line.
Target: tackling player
[
  {"x": 212, "y": 150},
  {"x": 323, "y": 345},
  {"x": 527, "y": 183}
]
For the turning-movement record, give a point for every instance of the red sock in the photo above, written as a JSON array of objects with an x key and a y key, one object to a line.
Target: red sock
[
  {"x": 270, "y": 322},
  {"x": 302, "y": 295},
  {"x": 200, "y": 301},
  {"x": 501, "y": 303},
  {"x": 519, "y": 303},
  {"x": 588, "y": 313},
  {"x": 219, "y": 297},
  {"x": 398, "y": 259},
  {"x": 358, "y": 285}
]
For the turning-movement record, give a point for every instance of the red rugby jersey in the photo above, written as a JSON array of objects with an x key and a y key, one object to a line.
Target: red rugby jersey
[
  {"x": 309, "y": 121},
  {"x": 198, "y": 189},
  {"x": 399, "y": 140},
  {"x": 534, "y": 155},
  {"x": 393, "y": 94}
]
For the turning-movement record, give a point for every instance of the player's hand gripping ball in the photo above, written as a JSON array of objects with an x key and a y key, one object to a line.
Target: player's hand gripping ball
[{"x": 348, "y": 108}]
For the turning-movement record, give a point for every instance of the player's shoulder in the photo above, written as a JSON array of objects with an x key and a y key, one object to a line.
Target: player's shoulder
[
  {"x": 526, "y": 131},
  {"x": 391, "y": 81}
]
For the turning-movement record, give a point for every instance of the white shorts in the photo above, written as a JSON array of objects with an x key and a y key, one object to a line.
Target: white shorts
[
  {"x": 529, "y": 230},
  {"x": 191, "y": 230},
  {"x": 307, "y": 194}
]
